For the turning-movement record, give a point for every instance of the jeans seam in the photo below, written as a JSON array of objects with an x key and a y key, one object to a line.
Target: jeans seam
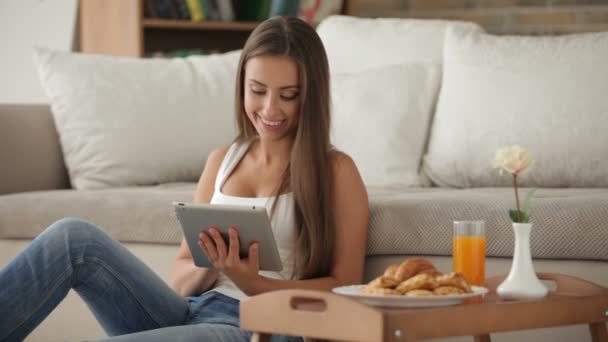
[
  {"x": 133, "y": 293},
  {"x": 53, "y": 289}
]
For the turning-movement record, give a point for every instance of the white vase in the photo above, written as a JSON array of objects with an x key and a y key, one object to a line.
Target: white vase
[{"x": 522, "y": 282}]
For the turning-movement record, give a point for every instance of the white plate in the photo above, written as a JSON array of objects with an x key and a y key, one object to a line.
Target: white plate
[{"x": 354, "y": 291}]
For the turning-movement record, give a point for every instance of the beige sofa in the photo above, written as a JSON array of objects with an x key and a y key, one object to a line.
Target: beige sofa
[
  {"x": 570, "y": 224},
  {"x": 35, "y": 192}
]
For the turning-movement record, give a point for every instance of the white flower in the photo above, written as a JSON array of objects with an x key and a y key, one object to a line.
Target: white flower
[{"x": 513, "y": 159}]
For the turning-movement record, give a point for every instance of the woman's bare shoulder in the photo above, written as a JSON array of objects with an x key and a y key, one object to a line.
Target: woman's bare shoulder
[
  {"x": 341, "y": 162},
  {"x": 206, "y": 183},
  {"x": 216, "y": 156},
  {"x": 345, "y": 171}
]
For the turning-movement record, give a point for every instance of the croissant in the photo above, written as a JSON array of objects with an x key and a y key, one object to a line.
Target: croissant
[
  {"x": 410, "y": 268},
  {"x": 379, "y": 291},
  {"x": 454, "y": 279},
  {"x": 448, "y": 290},
  {"x": 417, "y": 277},
  {"x": 383, "y": 282},
  {"x": 418, "y": 282},
  {"x": 419, "y": 293},
  {"x": 391, "y": 271}
]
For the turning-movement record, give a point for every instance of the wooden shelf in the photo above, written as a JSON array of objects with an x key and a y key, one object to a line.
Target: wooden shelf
[
  {"x": 119, "y": 28},
  {"x": 199, "y": 25}
]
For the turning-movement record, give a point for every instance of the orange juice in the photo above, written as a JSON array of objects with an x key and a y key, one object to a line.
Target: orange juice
[{"x": 469, "y": 255}]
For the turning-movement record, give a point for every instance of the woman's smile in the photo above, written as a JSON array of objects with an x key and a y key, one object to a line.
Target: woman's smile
[{"x": 272, "y": 125}]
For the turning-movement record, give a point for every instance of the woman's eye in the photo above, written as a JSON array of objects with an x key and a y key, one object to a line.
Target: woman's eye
[
  {"x": 284, "y": 97},
  {"x": 289, "y": 98}
]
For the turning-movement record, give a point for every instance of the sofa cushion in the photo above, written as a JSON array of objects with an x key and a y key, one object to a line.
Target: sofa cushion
[
  {"x": 127, "y": 121},
  {"x": 547, "y": 94},
  {"x": 356, "y": 44},
  {"x": 568, "y": 223},
  {"x": 381, "y": 118},
  {"x": 353, "y": 44},
  {"x": 129, "y": 214}
]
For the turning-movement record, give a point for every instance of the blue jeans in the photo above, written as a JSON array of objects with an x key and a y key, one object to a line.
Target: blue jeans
[{"x": 128, "y": 299}]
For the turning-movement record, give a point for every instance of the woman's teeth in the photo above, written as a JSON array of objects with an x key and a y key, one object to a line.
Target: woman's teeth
[{"x": 271, "y": 123}]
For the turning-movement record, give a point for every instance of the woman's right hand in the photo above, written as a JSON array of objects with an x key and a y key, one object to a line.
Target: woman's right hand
[{"x": 243, "y": 272}]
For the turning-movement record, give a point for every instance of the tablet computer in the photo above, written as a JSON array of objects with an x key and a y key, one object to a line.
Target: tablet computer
[{"x": 252, "y": 223}]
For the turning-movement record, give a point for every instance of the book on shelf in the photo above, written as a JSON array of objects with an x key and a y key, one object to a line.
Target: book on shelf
[
  {"x": 150, "y": 9},
  {"x": 253, "y": 10},
  {"x": 218, "y": 10},
  {"x": 165, "y": 9},
  {"x": 196, "y": 11},
  {"x": 208, "y": 10},
  {"x": 225, "y": 10},
  {"x": 182, "y": 9},
  {"x": 313, "y": 11},
  {"x": 284, "y": 8}
]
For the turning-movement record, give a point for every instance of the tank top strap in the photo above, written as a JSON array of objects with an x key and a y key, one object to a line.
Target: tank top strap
[{"x": 236, "y": 151}]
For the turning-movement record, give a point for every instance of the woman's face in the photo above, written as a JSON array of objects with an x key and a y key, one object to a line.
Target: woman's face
[{"x": 272, "y": 95}]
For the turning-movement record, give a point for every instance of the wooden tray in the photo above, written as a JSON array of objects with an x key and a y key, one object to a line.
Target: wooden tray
[{"x": 326, "y": 315}]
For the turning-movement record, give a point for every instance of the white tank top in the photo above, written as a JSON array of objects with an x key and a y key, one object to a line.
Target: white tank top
[{"x": 282, "y": 222}]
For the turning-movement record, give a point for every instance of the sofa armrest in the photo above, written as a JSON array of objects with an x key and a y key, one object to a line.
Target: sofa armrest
[{"x": 30, "y": 153}]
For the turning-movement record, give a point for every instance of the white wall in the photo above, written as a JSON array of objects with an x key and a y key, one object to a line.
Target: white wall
[{"x": 24, "y": 24}]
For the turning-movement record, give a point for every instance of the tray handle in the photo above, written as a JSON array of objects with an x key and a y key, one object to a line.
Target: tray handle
[{"x": 299, "y": 312}]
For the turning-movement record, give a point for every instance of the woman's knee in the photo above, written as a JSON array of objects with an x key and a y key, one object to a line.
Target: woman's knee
[{"x": 74, "y": 230}]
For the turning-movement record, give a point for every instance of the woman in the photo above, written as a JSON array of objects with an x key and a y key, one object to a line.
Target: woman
[{"x": 282, "y": 158}]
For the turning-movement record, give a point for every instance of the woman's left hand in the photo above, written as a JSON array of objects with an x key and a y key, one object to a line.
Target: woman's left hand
[{"x": 243, "y": 272}]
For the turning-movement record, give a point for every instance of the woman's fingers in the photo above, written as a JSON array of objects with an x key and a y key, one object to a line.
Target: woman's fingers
[
  {"x": 233, "y": 246},
  {"x": 208, "y": 247},
  {"x": 254, "y": 256},
  {"x": 222, "y": 250},
  {"x": 213, "y": 245}
]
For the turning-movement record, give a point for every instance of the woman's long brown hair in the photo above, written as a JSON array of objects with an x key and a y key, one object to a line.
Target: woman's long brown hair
[{"x": 309, "y": 173}]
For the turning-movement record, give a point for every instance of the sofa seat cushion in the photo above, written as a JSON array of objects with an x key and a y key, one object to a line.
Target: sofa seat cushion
[
  {"x": 133, "y": 214},
  {"x": 568, "y": 223}
]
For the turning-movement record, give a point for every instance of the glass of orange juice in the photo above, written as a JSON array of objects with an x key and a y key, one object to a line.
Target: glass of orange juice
[{"x": 469, "y": 250}]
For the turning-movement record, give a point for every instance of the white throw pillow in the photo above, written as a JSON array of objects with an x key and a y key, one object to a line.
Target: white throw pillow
[
  {"x": 547, "y": 94},
  {"x": 353, "y": 44},
  {"x": 128, "y": 121},
  {"x": 381, "y": 118},
  {"x": 357, "y": 44}
]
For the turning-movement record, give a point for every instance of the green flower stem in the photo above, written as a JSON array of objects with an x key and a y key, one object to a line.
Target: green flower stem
[{"x": 516, "y": 197}]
